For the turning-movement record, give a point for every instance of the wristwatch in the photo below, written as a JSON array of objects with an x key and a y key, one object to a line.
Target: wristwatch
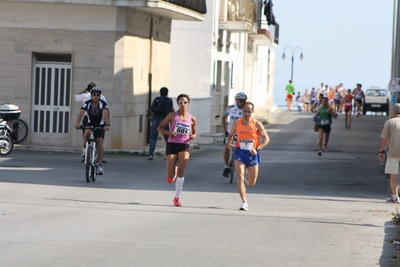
[
  {"x": 258, "y": 149},
  {"x": 381, "y": 152}
]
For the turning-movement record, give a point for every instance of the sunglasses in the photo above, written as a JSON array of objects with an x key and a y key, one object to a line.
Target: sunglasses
[
  {"x": 96, "y": 94},
  {"x": 242, "y": 101},
  {"x": 183, "y": 102},
  {"x": 247, "y": 111}
]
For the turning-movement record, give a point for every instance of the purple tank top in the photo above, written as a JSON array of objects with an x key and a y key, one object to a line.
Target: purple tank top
[{"x": 183, "y": 129}]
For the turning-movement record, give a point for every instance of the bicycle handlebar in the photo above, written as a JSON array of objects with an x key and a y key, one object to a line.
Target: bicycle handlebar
[{"x": 90, "y": 127}]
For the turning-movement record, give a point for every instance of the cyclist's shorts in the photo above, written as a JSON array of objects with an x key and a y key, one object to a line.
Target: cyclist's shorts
[
  {"x": 99, "y": 133},
  {"x": 246, "y": 158},
  {"x": 175, "y": 148}
]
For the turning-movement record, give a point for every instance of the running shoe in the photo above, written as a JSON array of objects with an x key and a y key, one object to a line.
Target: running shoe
[
  {"x": 83, "y": 153},
  {"x": 393, "y": 199},
  {"x": 150, "y": 157},
  {"x": 177, "y": 202},
  {"x": 100, "y": 170},
  {"x": 171, "y": 180},
  {"x": 346, "y": 125},
  {"x": 226, "y": 172},
  {"x": 349, "y": 126},
  {"x": 319, "y": 152},
  {"x": 244, "y": 206}
]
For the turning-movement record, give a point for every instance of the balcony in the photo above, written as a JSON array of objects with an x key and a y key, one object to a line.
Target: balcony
[
  {"x": 238, "y": 15},
  {"x": 266, "y": 35},
  {"x": 193, "y": 10}
]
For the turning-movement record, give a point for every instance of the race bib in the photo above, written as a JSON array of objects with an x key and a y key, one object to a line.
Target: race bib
[
  {"x": 246, "y": 144},
  {"x": 348, "y": 103},
  {"x": 324, "y": 122},
  {"x": 182, "y": 129}
]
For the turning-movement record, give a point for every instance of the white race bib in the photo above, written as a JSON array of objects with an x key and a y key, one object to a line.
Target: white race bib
[
  {"x": 182, "y": 129},
  {"x": 324, "y": 122},
  {"x": 246, "y": 144}
]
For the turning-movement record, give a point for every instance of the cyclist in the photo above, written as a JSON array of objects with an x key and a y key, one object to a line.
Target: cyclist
[
  {"x": 249, "y": 133},
  {"x": 234, "y": 112},
  {"x": 97, "y": 111},
  {"x": 84, "y": 96},
  {"x": 182, "y": 130}
]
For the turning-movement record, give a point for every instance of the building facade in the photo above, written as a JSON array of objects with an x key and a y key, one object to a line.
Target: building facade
[
  {"x": 231, "y": 51},
  {"x": 50, "y": 50}
]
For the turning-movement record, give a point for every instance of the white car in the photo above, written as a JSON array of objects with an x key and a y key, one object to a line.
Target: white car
[{"x": 376, "y": 99}]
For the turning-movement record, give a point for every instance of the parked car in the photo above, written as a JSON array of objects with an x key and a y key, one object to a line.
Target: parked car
[{"x": 376, "y": 99}]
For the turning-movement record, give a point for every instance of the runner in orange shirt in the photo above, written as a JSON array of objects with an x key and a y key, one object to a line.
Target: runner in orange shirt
[{"x": 249, "y": 131}]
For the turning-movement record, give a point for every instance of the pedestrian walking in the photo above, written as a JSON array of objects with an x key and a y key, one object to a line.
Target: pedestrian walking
[
  {"x": 161, "y": 106},
  {"x": 289, "y": 94},
  {"x": 390, "y": 137},
  {"x": 181, "y": 132},
  {"x": 249, "y": 133}
]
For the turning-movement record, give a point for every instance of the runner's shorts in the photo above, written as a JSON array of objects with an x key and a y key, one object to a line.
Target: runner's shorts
[
  {"x": 175, "y": 148},
  {"x": 246, "y": 158},
  {"x": 326, "y": 128}
]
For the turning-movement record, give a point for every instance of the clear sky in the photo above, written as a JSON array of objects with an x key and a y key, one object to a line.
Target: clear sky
[{"x": 343, "y": 41}]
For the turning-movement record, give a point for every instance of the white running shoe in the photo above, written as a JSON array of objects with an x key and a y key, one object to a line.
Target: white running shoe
[
  {"x": 244, "y": 206},
  {"x": 100, "y": 170},
  {"x": 83, "y": 154}
]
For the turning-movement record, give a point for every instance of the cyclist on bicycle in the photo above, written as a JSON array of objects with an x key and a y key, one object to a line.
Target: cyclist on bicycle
[
  {"x": 97, "y": 112},
  {"x": 234, "y": 112},
  {"x": 84, "y": 96}
]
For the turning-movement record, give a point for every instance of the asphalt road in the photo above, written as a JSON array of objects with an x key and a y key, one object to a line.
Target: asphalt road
[{"x": 305, "y": 210}]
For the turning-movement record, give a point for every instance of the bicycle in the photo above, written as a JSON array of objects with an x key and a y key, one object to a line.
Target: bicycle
[
  {"x": 17, "y": 129},
  {"x": 91, "y": 162}
]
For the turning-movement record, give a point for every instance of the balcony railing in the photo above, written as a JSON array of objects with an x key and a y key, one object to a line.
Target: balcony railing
[
  {"x": 195, "y": 5},
  {"x": 239, "y": 11}
]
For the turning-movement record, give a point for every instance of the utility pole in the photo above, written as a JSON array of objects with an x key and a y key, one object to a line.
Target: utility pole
[{"x": 395, "y": 72}]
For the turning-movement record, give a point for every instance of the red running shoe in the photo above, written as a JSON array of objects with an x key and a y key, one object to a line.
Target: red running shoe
[{"x": 177, "y": 202}]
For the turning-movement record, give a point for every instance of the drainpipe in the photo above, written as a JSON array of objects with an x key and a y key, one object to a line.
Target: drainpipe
[{"x": 150, "y": 77}]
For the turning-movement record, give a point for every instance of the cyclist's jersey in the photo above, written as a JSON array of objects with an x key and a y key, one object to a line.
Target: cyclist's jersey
[
  {"x": 234, "y": 112},
  {"x": 247, "y": 135},
  {"x": 95, "y": 114},
  {"x": 183, "y": 129}
]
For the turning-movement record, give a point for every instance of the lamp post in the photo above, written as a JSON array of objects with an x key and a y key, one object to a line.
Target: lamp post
[{"x": 292, "y": 51}]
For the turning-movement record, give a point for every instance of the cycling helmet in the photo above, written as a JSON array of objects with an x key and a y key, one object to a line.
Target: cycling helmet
[
  {"x": 95, "y": 89},
  {"x": 241, "y": 95}
]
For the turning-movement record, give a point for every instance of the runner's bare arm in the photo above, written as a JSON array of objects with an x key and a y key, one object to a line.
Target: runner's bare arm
[
  {"x": 263, "y": 135},
  {"x": 231, "y": 134},
  {"x": 161, "y": 127},
  {"x": 194, "y": 128}
]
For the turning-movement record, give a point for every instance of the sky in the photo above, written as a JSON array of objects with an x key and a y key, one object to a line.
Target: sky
[{"x": 343, "y": 41}]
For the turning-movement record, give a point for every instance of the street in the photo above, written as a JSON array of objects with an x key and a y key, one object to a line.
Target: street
[{"x": 305, "y": 210}]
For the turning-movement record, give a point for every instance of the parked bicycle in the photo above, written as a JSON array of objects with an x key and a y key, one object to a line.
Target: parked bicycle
[{"x": 91, "y": 160}]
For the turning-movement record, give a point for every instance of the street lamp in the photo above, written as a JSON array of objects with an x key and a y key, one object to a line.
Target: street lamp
[{"x": 292, "y": 54}]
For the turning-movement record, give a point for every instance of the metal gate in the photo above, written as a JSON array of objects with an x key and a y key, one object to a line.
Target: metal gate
[{"x": 51, "y": 103}]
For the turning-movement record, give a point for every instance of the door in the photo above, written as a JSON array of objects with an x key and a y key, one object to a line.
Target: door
[{"x": 51, "y": 103}]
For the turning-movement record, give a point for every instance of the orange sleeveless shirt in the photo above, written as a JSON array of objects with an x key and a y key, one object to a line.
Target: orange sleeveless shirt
[{"x": 247, "y": 132}]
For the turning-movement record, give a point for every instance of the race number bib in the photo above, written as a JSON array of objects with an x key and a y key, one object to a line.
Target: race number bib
[
  {"x": 324, "y": 122},
  {"x": 348, "y": 103},
  {"x": 246, "y": 144},
  {"x": 182, "y": 129}
]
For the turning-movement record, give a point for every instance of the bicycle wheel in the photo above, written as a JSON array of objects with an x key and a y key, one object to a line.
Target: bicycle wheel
[
  {"x": 6, "y": 145},
  {"x": 19, "y": 130},
  {"x": 94, "y": 165},
  {"x": 88, "y": 163}
]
